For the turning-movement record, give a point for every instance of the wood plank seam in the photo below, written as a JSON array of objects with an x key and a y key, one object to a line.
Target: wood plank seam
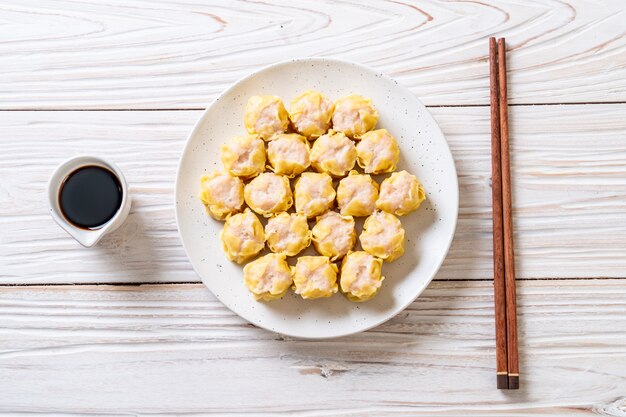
[
  {"x": 433, "y": 106},
  {"x": 141, "y": 283}
]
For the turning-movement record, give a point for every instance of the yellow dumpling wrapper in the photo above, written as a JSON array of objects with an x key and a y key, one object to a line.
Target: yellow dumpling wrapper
[
  {"x": 357, "y": 195},
  {"x": 334, "y": 235},
  {"x": 315, "y": 277},
  {"x": 269, "y": 277},
  {"x": 242, "y": 236},
  {"x": 311, "y": 113},
  {"x": 378, "y": 152},
  {"x": 400, "y": 194},
  {"x": 354, "y": 115},
  {"x": 333, "y": 153},
  {"x": 289, "y": 154},
  {"x": 314, "y": 194},
  {"x": 383, "y": 236},
  {"x": 221, "y": 194},
  {"x": 288, "y": 233},
  {"x": 244, "y": 156},
  {"x": 268, "y": 194},
  {"x": 266, "y": 116},
  {"x": 361, "y": 276}
]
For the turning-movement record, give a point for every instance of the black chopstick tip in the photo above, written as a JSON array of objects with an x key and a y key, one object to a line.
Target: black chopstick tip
[
  {"x": 502, "y": 381},
  {"x": 513, "y": 381}
]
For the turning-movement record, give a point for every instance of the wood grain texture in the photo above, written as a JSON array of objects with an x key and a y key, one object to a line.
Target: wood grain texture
[
  {"x": 175, "y": 348},
  {"x": 170, "y": 54},
  {"x": 569, "y": 179}
]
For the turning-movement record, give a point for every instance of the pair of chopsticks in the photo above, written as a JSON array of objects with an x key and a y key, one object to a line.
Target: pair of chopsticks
[{"x": 507, "y": 363}]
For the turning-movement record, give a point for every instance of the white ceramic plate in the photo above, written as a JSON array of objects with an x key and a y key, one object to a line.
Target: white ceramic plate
[{"x": 429, "y": 230}]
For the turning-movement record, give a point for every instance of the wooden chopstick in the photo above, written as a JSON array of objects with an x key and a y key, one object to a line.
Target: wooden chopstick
[
  {"x": 507, "y": 361},
  {"x": 509, "y": 258},
  {"x": 499, "y": 291}
]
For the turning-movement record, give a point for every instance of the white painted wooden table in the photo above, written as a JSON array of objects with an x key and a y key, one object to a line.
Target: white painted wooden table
[{"x": 128, "y": 328}]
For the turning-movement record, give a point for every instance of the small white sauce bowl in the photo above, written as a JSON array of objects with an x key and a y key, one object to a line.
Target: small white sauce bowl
[{"x": 86, "y": 237}]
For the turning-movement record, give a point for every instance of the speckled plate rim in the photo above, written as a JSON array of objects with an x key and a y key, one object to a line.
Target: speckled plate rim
[{"x": 197, "y": 127}]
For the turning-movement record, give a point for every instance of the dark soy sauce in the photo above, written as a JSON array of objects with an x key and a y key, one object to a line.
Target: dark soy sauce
[{"x": 90, "y": 197}]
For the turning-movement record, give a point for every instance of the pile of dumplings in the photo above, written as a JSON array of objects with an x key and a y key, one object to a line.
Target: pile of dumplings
[{"x": 283, "y": 170}]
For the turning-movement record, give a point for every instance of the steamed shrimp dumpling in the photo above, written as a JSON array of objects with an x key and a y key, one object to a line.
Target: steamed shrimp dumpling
[
  {"x": 310, "y": 113},
  {"x": 315, "y": 277},
  {"x": 354, "y": 115},
  {"x": 268, "y": 278},
  {"x": 244, "y": 156},
  {"x": 383, "y": 236},
  {"x": 334, "y": 235},
  {"x": 268, "y": 194},
  {"x": 288, "y": 233},
  {"x": 314, "y": 194},
  {"x": 242, "y": 236},
  {"x": 357, "y": 195},
  {"x": 221, "y": 194},
  {"x": 333, "y": 153},
  {"x": 266, "y": 116},
  {"x": 400, "y": 194},
  {"x": 378, "y": 152},
  {"x": 361, "y": 276},
  {"x": 289, "y": 154}
]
